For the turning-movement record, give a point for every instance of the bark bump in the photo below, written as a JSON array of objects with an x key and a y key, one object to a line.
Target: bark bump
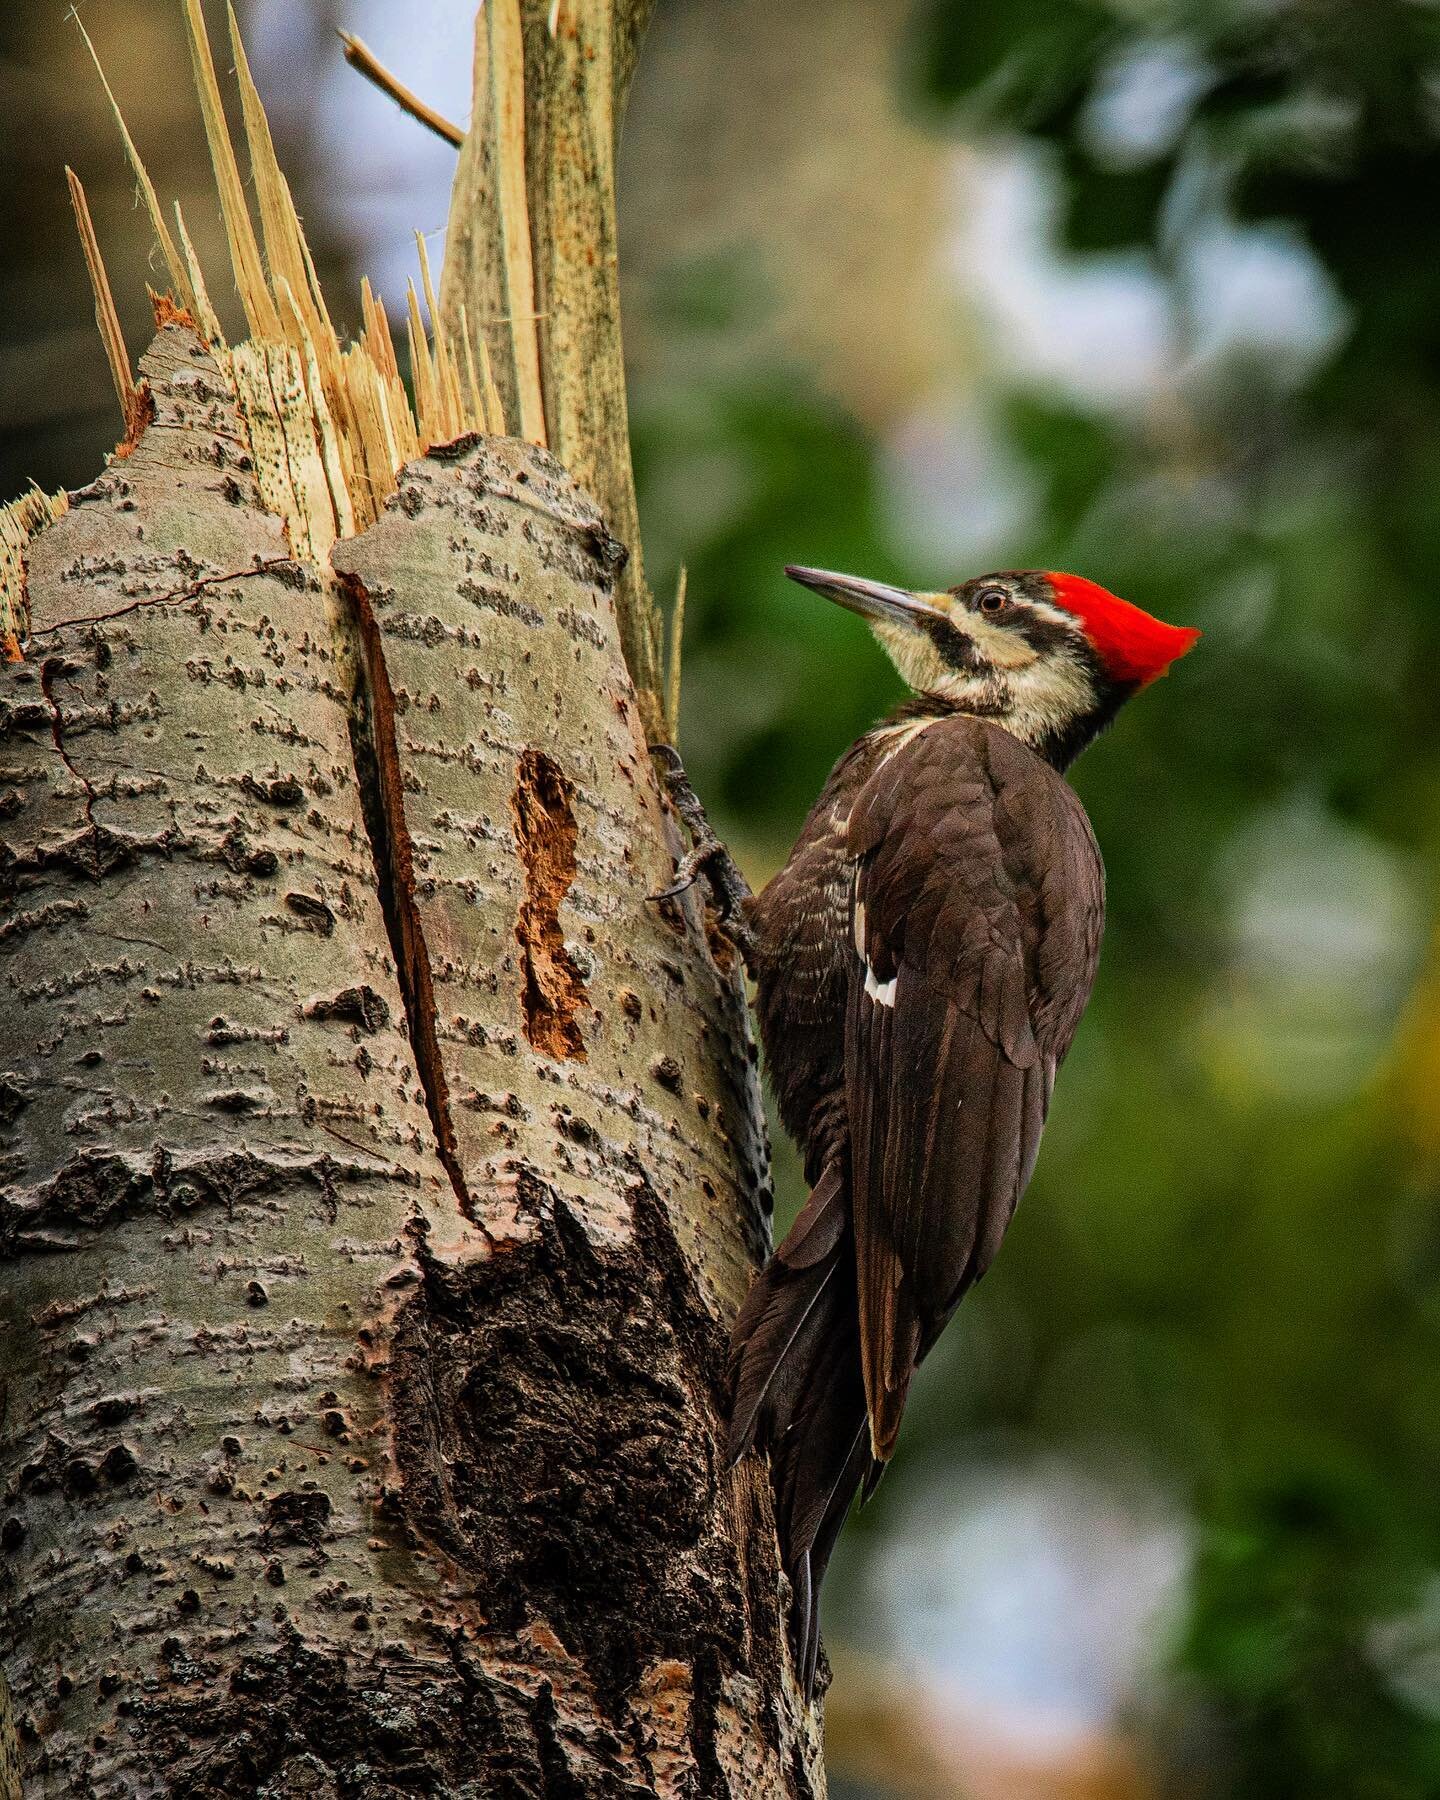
[{"x": 558, "y": 1409}]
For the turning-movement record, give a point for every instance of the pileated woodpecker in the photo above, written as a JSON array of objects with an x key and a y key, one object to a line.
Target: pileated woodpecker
[{"x": 922, "y": 961}]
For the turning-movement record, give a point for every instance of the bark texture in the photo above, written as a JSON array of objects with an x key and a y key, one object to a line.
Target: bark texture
[{"x": 378, "y": 1170}]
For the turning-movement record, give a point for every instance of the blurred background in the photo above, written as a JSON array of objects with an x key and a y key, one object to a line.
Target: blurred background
[{"x": 1147, "y": 289}]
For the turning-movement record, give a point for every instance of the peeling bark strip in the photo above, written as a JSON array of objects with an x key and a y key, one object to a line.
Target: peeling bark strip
[
  {"x": 553, "y": 991},
  {"x": 309, "y": 1483}
]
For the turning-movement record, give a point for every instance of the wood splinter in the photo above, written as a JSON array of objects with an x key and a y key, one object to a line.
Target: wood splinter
[{"x": 132, "y": 403}]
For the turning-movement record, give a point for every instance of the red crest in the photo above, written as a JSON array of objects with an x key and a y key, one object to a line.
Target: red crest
[{"x": 1132, "y": 644}]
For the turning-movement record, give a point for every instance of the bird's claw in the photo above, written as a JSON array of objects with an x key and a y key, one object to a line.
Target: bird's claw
[
  {"x": 673, "y": 892},
  {"x": 707, "y": 855},
  {"x": 670, "y": 756},
  {"x": 688, "y": 871}
]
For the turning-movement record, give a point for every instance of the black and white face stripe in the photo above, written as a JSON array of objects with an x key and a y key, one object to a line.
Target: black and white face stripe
[
  {"x": 1003, "y": 649},
  {"x": 1029, "y": 616},
  {"x": 999, "y": 647}
]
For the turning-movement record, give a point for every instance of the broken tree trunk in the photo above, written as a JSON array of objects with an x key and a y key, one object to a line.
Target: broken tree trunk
[
  {"x": 532, "y": 267},
  {"x": 379, "y": 1169}
]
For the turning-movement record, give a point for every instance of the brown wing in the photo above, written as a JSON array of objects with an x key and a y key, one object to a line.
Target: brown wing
[{"x": 977, "y": 910}]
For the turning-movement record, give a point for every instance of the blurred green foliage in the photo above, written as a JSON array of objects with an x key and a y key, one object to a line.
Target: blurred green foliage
[{"x": 1226, "y": 1271}]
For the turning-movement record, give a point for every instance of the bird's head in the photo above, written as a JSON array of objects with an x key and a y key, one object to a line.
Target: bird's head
[{"x": 1051, "y": 657}]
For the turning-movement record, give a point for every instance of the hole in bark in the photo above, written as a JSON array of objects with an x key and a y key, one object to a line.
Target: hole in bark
[{"x": 545, "y": 834}]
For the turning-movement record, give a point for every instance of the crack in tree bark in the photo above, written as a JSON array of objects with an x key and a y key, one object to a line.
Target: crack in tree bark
[
  {"x": 96, "y": 1190},
  {"x": 377, "y": 767},
  {"x": 57, "y": 733},
  {"x": 191, "y": 591}
]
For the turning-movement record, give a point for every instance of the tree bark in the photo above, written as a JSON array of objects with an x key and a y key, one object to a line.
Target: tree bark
[{"x": 379, "y": 1169}]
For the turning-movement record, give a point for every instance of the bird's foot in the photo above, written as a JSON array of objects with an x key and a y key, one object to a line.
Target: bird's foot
[{"x": 707, "y": 856}]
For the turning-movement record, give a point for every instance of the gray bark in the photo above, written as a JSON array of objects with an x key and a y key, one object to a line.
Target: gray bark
[{"x": 378, "y": 1169}]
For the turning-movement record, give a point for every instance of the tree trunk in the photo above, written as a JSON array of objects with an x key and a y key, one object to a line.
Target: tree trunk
[{"x": 379, "y": 1169}]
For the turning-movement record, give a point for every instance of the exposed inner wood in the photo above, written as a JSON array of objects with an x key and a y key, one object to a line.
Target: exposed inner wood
[
  {"x": 545, "y": 834},
  {"x": 554, "y": 167},
  {"x": 133, "y": 401}
]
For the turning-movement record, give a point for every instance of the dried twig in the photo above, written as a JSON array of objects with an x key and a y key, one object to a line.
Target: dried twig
[{"x": 362, "y": 58}]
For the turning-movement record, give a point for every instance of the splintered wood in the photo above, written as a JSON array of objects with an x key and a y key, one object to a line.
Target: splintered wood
[
  {"x": 331, "y": 424},
  {"x": 19, "y": 522},
  {"x": 342, "y": 413},
  {"x": 532, "y": 249},
  {"x": 126, "y": 392}
]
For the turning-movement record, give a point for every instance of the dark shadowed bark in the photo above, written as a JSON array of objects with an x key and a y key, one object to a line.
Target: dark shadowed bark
[{"x": 379, "y": 1169}]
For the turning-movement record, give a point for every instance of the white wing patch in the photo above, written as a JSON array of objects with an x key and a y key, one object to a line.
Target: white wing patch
[{"x": 881, "y": 992}]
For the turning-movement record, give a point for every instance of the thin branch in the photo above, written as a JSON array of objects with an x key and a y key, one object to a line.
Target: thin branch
[{"x": 362, "y": 58}]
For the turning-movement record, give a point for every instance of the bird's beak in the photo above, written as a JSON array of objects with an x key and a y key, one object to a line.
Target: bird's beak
[{"x": 871, "y": 599}]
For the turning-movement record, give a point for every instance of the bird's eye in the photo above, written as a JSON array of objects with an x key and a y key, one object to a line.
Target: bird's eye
[{"x": 992, "y": 600}]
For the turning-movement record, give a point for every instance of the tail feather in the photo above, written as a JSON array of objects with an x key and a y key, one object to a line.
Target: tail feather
[
  {"x": 820, "y": 1224},
  {"x": 811, "y": 1459},
  {"x": 795, "y": 1369},
  {"x": 818, "y": 1557},
  {"x": 769, "y": 1349},
  {"x": 776, "y": 1310}
]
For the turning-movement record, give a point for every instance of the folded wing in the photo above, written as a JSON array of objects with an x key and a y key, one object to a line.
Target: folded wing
[{"x": 977, "y": 910}]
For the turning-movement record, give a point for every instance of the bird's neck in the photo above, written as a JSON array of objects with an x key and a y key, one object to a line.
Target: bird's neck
[{"x": 1053, "y": 711}]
